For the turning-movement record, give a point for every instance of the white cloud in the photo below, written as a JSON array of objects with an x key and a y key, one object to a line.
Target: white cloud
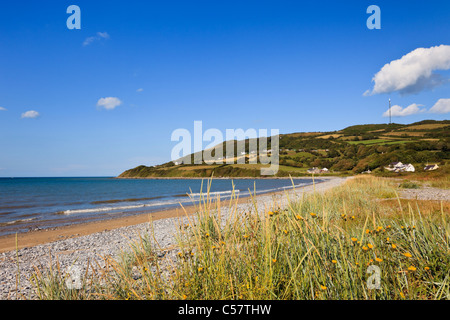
[
  {"x": 139, "y": 90},
  {"x": 442, "y": 106},
  {"x": 103, "y": 35},
  {"x": 413, "y": 72},
  {"x": 109, "y": 103},
  {"x": 2, "y": 109},
  {"x": 398, "y": 111},
  {"x": 30, "y": 114},
  {"x": 98, "y": 36}
]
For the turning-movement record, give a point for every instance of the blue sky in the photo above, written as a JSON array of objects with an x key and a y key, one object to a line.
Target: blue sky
[{"x": 283, "y": 65}]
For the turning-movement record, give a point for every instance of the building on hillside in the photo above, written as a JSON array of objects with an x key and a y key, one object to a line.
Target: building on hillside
[
  {"x": 394, "y": 165},
  {"x": 407, "y": 168},
  {"x": 324, "y": 170},
  {"x": 431, "y": 167},
  {"x": 313, "y": 170},
  {"x": 400, "y": 167}
]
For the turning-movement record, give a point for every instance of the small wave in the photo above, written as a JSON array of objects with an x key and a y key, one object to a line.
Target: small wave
[
  {"x": 125, "y": 200},
  {"x": 294, "y": 186},
  {"x": 92, "y": 210},
  {"x": 18, "y": 221},
  {"x": 215, "y": 193},
  {"x": 118, "y": 208}
]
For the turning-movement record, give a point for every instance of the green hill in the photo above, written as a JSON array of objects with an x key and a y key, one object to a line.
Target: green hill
[{"x": 351, "y": 150}]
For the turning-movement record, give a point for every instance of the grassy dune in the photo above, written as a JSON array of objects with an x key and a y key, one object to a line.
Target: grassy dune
[{"x": 335, "y": 245}]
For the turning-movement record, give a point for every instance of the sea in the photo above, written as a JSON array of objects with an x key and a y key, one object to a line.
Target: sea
[{"x": 39, "y": 203}]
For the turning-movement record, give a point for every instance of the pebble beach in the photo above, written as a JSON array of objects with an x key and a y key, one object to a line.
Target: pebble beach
[{"x": 17, "y": 266}]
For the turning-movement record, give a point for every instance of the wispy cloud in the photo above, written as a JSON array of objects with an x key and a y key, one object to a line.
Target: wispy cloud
[
  {"x": 414, "y": 72},
  {"x": 139, "y": 90},
  {"x": 442, "y": 106},
  {"x": 109, "y": 103},
  {"x": 30, "y": 114},
  {"x": 2, "y": 109},
  {"x": 99, "y": 36}
]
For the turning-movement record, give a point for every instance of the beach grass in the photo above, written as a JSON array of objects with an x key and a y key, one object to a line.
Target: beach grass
[{"x": 356, "y": 241}]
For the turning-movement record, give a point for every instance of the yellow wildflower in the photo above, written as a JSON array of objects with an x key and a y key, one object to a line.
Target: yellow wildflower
[
  {"x": 393, "y": 246},
  {"x": 407, "y": 254},
  {"x": 367, "y": 231},
  {"x": 184, "y": 297},
  {"x": 427, "y": 268},
  {"x": 334, "y": 261},
  {"x": 365, "y": 248},
  {"x": 270, "y": 213},
  {"x": 412, "y": 268},
  {"x": 285, "y": 231},
  {"x": 200, "y": 269},
  {"x": 354, "y": 239},
  {"x": 353, "y": 218},
  {"x": 298, "y": 217},
  {"x": 323, "y": 287},
  {"x": 378, "y": 259},
  {"x": 370, "y": 246},
  {"x": 313, "y": 214},
  {"x": 274, "y": 260}
]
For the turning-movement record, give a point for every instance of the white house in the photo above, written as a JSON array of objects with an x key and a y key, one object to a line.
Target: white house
[
  {"x": 401, "y": 167},
  {"x": 394, "y": 166},
  {"x": 313, "y": 170},
  {"x": 409, "y": 168},
  {"x": 431, "y": 167},
  {"x": 405, "y": 168}
]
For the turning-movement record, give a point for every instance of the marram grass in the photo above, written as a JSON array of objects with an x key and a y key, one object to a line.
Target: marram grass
[{"x": 320, "y": 246}]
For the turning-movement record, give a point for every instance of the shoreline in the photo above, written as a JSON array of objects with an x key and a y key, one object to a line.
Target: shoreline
[
  {"x": 109, "y": 239},
  {"x": 307, "y": 176},
  {"x": 44, "y": 236}
]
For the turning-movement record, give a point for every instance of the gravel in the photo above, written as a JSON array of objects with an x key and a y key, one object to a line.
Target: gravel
[
  {"x": 425, "y": 193},
  {"x": 17, "y": 267}
]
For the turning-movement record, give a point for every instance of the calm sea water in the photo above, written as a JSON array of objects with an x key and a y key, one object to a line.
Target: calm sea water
[{"x": 29, "y": 203}]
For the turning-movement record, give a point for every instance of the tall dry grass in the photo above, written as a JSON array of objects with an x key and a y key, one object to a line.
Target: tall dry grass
[{"x": 320, "y": 246}]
